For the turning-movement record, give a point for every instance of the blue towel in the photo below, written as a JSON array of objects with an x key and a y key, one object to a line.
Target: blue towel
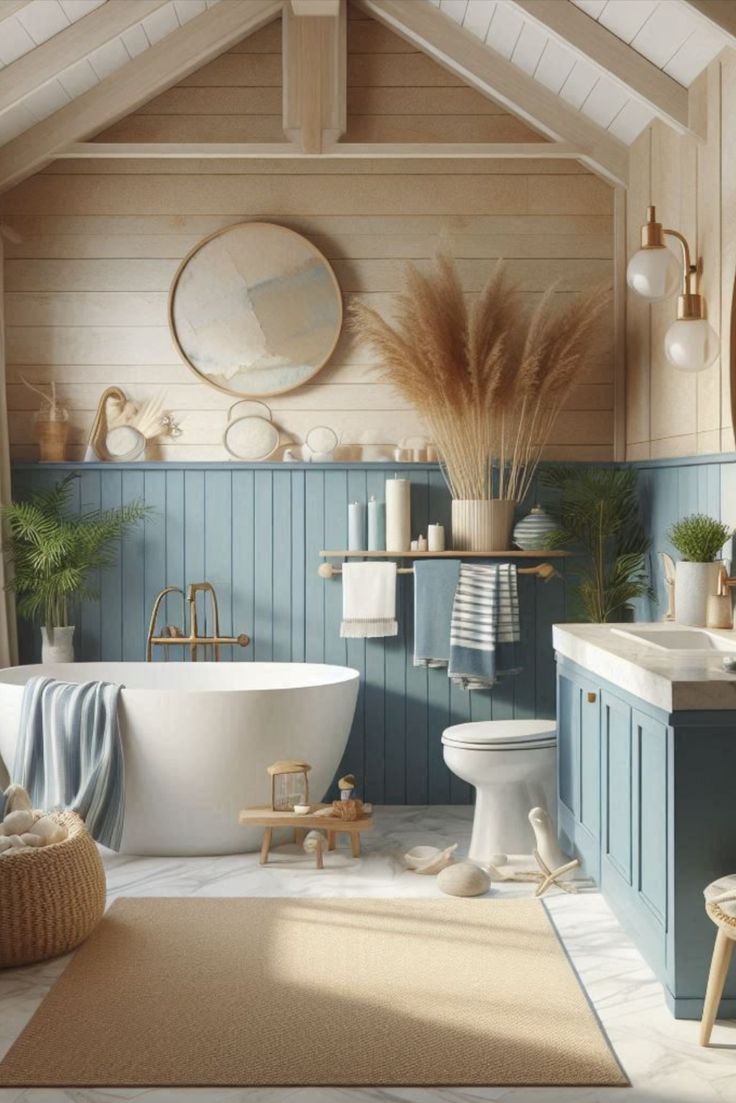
[
  {"x": 434, "y": 592},
  {"x": 69, "y": 753},
  {"x": 485, "y": 625}
]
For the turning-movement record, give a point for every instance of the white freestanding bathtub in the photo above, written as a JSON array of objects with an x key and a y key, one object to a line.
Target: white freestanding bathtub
[{"x": 197, "y": 738}]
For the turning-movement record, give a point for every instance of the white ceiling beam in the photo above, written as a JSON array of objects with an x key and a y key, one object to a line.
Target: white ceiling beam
[
  {"x": 639, "y": 77},
  {"x": 719, "y": 14},
  {"x": 65, "y": 49},
  {"x": 152, "y": 72},
  {"x": 466, "y": 56},
  {"x": 328, "y": 8},
  {"x": 542, "y": 151},
  {"x": 314, "y": 78}
]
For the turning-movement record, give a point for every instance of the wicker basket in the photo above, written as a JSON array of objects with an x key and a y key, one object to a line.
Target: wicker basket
[{"x": 50, "y": 898}]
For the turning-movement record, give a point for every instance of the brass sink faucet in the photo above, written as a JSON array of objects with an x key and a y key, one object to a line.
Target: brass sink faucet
[{"x": 173, "y": 636}]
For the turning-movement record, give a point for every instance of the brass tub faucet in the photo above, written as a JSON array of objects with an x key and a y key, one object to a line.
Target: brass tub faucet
[{"x": 172, "y": 636}]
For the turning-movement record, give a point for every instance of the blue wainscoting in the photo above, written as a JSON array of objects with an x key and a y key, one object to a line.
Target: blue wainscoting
[
  {"x": 255, "y": 531},
  {"x": 670, "y": 489}
]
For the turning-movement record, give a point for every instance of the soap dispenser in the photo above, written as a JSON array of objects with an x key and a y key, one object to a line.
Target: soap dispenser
[{"x": 719, "y": 611}]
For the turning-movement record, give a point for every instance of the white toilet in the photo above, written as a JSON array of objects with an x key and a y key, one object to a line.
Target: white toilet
[{"x": 512, "y": 764}]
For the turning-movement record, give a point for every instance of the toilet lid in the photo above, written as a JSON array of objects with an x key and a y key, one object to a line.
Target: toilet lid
[{"x": 502, "y": 733}]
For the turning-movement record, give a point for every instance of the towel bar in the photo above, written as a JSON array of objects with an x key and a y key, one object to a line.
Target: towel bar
[{"x": 545, "y": 571}]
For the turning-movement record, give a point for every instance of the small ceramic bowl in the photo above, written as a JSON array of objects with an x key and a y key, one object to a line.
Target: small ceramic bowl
[{"x": 302, "y": 809}]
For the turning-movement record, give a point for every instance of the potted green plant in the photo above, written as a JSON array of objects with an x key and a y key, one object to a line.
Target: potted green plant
[
  {"x": 699, "y": 539},
  {"x": 597, "y": 514},
  {"x": 53, "y": 553}
]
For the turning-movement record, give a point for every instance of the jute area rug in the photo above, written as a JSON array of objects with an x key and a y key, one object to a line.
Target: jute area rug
[{"x": 221, "y": 992}]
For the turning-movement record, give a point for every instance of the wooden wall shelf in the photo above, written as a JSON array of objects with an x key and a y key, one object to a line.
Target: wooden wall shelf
[{"x": 514, "y": 553}]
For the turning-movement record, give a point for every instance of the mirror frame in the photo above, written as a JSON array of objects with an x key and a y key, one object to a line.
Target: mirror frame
[{"x": 203, "y": 378}]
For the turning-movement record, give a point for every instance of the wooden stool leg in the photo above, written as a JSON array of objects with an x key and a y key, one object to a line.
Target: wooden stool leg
[
  {"x": 318, "y": 856},
  {"x": 331, "y": 840},
  {"x": 355, "y": 843},
  {"x": 265, "y": 845},
  {"x": 716, "y": 979}
]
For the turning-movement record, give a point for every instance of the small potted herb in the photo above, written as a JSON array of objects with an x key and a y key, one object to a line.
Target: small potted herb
[{"x": 699, "y": 539}]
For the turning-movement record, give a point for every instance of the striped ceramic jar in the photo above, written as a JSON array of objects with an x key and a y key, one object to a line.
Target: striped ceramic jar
[{"x": 533, "y": 531}]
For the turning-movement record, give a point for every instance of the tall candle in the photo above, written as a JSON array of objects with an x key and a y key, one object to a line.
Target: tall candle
[
  {"x": 436, "y": 538},
  {"x": 356, "y": 526},
  {"x": 376, "y": 525},
  {"x": 398, "y": 515}
]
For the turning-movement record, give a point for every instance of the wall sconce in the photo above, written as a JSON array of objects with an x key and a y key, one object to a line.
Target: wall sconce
[{"x": 690, "y": 343}]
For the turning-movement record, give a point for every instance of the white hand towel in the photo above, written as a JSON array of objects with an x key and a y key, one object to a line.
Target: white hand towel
[{"x": 368, "y": 600}]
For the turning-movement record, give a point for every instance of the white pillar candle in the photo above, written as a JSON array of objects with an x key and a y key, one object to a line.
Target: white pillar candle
[
  {"x": 398, "y": 515},
  {"x": 356, "y": 526},
  {"x": 436, "y": 538}
]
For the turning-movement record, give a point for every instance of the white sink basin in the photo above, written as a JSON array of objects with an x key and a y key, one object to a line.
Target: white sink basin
[{"x": 679, "y": 639}]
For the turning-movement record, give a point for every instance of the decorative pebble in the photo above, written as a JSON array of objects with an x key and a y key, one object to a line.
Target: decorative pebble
[
  {"x": 5, "y": 844},
  {"x": 15, "y": 841},
  {"x": 29, "y": 839},
  {"x": 15, "y": 823},
  {"x": 463, "y": 879}
]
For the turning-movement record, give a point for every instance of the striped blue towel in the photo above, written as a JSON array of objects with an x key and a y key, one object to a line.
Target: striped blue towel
[
  {"x": 69, "y": 753},
  {"x": 485, "y": 625}
]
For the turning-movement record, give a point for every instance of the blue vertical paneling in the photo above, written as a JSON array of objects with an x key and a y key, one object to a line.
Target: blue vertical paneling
[
  {"x": 281, "y": 557},
  {"x": 133, "y": 573},
  {"x": 256, "y": 533},
  {"x": 154, "y": 541},
  {"x": 242, "y": 558},
  {"x": 264, "y": 537},
  {"x": 88, "y": 618}
]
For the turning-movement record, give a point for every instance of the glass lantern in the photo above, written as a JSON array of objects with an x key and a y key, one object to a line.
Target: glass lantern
[{"x": 289, "y": 785}]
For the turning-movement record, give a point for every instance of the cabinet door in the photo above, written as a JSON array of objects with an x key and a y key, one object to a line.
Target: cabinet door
[
  {"x": 650, "y": 778},
  {"x": 568, "y": 736},
  {"x": 618, "y": 804}
]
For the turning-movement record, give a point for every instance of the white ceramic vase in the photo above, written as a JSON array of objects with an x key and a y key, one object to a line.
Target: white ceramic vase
[
  {"x": 482, "y": 525},
  {"x": 57, "y": 645},
  {"x": 694, "y": 584}
]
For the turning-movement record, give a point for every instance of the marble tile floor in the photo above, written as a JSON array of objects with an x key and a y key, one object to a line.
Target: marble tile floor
[{"x": 660, "y": 1055}]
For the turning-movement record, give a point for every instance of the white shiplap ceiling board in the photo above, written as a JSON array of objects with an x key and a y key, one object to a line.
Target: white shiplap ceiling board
[
  {"x": 674, "y": 35},
  {"x": 156, "y": 69},
  {"x": 98, "y": 38}
]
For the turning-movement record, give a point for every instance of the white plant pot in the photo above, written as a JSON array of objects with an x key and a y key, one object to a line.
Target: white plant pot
[
  {"x": 694, "y": 584},
  {"x": 483, "y": 525},
  {"x": 57, "y": 645}
]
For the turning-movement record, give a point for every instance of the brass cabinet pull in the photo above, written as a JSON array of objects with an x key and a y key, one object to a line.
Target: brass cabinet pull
[{"x": 592, "y": 698}]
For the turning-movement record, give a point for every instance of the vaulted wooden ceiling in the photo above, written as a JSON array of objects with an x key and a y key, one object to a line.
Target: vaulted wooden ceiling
[{"x": 588, "y": 75}]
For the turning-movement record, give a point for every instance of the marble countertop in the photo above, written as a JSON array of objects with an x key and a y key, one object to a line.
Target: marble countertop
[{"x": 684, "y": 680}]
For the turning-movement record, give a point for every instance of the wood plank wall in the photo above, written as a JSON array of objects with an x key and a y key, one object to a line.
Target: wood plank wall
[
  {"x": 87, "y": 287},
  {"x": 255, "y": 532},
  {"x": 693, "y": 184}
]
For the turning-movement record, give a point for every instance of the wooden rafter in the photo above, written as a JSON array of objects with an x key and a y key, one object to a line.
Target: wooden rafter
[
  {"x": 330, "y": 8},
  {"x": 464, "y": 54},
  {"x": 314, "y": 77},
  {"x": 42, "y": 64},
  {"x": 152, "y": 72},
  {"x": 638, "y": 76}
]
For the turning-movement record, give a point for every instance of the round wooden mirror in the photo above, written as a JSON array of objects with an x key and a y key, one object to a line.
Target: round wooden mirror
[{"x": 255, "y": 309}]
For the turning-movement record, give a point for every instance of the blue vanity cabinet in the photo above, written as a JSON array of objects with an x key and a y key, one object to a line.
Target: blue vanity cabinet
[
  {"x": 647, "y": 801},
  {"x": 579, "y": 779}
]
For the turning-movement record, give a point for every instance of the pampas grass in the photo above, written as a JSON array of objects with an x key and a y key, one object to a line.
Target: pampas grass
[{"x": 489, "y": 380}]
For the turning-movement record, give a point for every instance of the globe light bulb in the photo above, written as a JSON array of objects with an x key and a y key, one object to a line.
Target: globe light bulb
[
  {"x": 691, "y": 344},
  {"x": 654, "y": 273}
]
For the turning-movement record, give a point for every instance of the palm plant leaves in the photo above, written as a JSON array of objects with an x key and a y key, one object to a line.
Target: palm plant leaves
[
  {"x": 53, "y": 552},
  {"x": 598, "y": 514}
]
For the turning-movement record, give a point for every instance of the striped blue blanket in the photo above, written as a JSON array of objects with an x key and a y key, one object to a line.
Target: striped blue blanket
[
  {"x": 484, "y": 632},
  {"x": 69, "y": 753}
]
